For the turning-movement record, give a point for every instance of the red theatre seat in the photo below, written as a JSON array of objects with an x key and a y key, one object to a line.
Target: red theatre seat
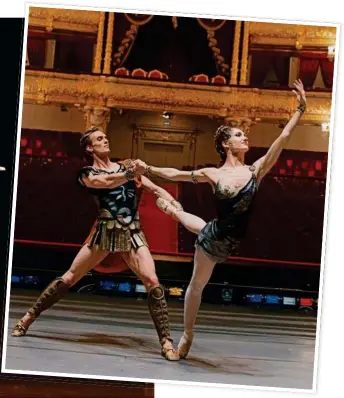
[
  {"x": 139, "y": 73},
  {"x": 199, "y": 78},
  {"x": 218, "y": 80},
  {"x": 122, "y": 72},
  {"x": 156, "y": 74}
]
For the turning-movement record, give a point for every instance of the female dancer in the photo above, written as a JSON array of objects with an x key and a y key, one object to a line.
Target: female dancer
[{"x": 234, "y": 185}]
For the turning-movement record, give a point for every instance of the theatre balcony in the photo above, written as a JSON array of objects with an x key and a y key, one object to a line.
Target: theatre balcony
[{"x": 237, "y": 71}]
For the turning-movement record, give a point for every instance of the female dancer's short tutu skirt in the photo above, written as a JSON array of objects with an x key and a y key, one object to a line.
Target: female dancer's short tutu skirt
[{"x": 217, "y": 248}]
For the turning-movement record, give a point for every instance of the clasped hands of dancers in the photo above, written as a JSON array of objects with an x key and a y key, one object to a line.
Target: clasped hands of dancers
[{"x": 117, "y": 228}]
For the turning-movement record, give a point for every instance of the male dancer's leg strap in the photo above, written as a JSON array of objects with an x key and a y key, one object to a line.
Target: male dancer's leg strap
[
  {"x": 138, "y": 240},
  {"x": 51, "y": 295},
  {"x": 158, "y": 310}
]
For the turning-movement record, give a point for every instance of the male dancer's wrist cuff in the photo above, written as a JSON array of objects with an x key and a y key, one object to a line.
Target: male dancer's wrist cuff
[
  {"x": 129, "y": 175},
  {"x": 148, "y": 170}
]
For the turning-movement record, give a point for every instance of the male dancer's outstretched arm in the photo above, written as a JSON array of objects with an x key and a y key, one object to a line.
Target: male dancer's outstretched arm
[{"x": 109, "y": 181}]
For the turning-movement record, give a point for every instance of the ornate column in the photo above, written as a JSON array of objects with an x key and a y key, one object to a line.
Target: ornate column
[
  {"x": 235, "y": 56},
  {"x": 96, "y": 116},
  {"x": 99, "y": 47},
  {"x": 109, "y": 41},
  {"x": 242, "y": 123},
  {"x": 294, "y": 67},
  {"x": 244, "y": 56},
  {"x": 325, "y": 130},
  {"x": 50, "y": 54}
]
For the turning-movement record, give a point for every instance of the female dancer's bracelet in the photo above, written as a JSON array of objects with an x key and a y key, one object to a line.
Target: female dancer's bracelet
[
  {"x": 194, "y": 178},
  {"x": 301, "y": 109}
]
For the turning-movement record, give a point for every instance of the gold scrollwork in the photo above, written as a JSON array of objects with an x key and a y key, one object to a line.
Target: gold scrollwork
[
  {"x": 66, "y": 19},
  {"x": 244, "y": 124},
  {"x": 211, "y": 24},
  {"x": 224, "y": 101},
  {"x": 95, "y": 116},
  {"x": 156, "y": 135},
  {"x": 292, "y": 34},
  {"x": 138, "y": 19}
]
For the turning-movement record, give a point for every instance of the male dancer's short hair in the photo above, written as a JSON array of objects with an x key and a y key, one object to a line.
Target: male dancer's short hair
[{"x": 85, "y": 139}]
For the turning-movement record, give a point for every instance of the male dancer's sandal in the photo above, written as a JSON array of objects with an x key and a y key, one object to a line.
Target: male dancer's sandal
[
  {"x": 56, "y": 290},
  {"x": 158, "y": 309},
  {"x": 170, "y": 354},
  {"x": 19, "y": 329}
]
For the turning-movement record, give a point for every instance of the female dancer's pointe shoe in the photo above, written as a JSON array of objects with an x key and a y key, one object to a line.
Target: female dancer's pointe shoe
[
  {"x": 19, "y": 329},
  {"x": 184, "y": 346},
  {"x": 169, "y": 207},
  {"x": 170, "y": 354}
]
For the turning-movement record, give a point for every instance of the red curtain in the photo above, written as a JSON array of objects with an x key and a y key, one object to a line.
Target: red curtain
[
  {"x": 74, "y": 56},
  {"x": 326, "y": 68},
  {"x": 281, "y": 68},
  {"x": 308, "y": 71},
  {"x": 260, "y": 67},
  {"x": 262, "y": 63},
  {"x": 36, "y": 52},
  {"x": 160, "y": 229}
]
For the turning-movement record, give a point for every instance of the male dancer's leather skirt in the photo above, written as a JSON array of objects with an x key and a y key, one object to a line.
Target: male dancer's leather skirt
[{"x": 111, "y": 235}]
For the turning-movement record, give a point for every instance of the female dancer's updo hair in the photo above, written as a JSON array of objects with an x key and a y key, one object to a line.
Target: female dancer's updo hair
[{"x": 223, "y": 133}]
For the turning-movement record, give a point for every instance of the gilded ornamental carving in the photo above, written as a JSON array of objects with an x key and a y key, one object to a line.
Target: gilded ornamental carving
[
  {"x": 149, "y": 134},
  {"x": 292, "y": 34},
  {"x": 224, "y": 101},
  {"x": 65, "y": 19},
  {"x": 95, "y": 116}
]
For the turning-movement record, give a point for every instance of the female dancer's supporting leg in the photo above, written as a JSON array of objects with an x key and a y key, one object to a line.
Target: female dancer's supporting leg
[{"x": 203, "y": 268}]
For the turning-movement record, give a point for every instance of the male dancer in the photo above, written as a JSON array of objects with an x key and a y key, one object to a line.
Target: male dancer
[{"x": 116, "y": 232}]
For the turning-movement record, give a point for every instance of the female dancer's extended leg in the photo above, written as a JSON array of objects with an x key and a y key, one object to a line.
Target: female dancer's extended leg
[{"x": 191, "y": 222}]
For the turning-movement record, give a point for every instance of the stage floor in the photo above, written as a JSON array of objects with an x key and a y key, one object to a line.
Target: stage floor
[{"x": 115, "y": 337}]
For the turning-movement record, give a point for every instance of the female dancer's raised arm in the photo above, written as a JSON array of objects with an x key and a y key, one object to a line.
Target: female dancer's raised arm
[{"x": 265, "y": 163}]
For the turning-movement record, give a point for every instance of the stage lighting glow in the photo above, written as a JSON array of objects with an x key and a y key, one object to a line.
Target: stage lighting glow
[
  {"x": 306, "y": 302},
  {"x": 124, "y": 287},
  {"x": 270, "y": 299},
  {"x": 31, "y": 280},
  {"x": 140, "y": 289},
  {"x": 289, "y": 301},
  {"x": 176, "y": 291},
  {"x": 254, "y": 298},
  {"x": 227, "y": 294},
  {"x": 108, "y": 285}
]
